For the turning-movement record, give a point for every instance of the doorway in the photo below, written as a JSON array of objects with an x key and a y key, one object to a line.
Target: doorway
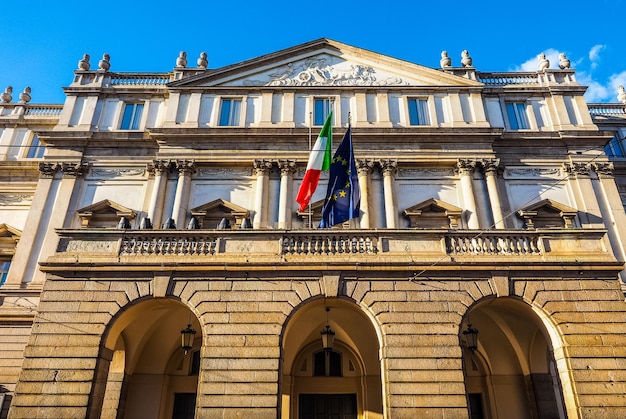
[{"x": 328, "y": 406}]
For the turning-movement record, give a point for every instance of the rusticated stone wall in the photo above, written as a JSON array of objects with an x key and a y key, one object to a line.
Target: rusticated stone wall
[{"x": 243, "y": 316}]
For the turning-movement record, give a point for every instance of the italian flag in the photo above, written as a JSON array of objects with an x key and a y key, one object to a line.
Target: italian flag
[{"x": 319, "y": 160}]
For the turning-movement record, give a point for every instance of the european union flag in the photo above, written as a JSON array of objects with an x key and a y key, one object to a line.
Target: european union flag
[{"x": 343, "y": 196}]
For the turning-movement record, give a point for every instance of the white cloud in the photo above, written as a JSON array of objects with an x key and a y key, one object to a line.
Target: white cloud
[
  {"x": 594, "y": 54},
  {"x": 618, "y": 79},
  {"x": 596, "y": 92},
  {"x": 532, "y": 64}
]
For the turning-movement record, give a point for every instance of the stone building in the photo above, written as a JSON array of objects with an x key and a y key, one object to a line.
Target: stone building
[{"x": 482, "y": 278}]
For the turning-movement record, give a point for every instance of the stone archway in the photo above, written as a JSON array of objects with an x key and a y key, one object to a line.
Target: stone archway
[
  {"x": 354, "y": 383},
  {"x": 144, "y": 371},
  {"x": 513, "y": 372}
]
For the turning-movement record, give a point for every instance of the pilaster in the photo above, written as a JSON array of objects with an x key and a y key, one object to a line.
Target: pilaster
[{"x": 491, "y": 169}]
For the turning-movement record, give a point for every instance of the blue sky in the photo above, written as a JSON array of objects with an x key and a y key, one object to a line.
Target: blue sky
[{"x": 42, "y": 41}]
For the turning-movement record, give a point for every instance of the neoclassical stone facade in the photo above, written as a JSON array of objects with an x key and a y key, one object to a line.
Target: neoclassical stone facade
[{"x": 483, "y": 277}]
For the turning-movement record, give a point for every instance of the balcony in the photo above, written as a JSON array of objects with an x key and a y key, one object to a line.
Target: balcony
[{"x": 561, "y": 249}]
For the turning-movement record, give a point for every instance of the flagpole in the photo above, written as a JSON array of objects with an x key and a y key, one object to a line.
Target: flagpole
[{"x": 310, "y": 148}]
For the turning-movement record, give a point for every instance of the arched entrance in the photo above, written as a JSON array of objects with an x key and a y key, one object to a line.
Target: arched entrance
[
  {"x": 512, "y": 374},
  {"x": 149, "y": 376},
  {"x": 342, "y": 383}
]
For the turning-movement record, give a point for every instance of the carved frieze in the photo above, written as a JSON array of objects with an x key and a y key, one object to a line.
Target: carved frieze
[
  {"x": 426, "y": 172},
  {"x": 532, "y": 172},
  {"x": 117, "y": 172},
  {"x": 224, "y": 172},
  {"x": 15, "y": 199},
  {"x": 325, "y": 70}
]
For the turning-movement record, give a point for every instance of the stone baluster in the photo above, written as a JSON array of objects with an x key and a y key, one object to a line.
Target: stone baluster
[
  {"x": 262, "y": 168},
  {"x": 364, "y": 169},
  {"x": 160, "y": 169},
  {"x": 183, "y": 187},
  {"x": 466, "y": 172},
  {"x": 287, "y": 169},
  {"x": 491, "y": 168},
  {"x": 389, "y": 168}
]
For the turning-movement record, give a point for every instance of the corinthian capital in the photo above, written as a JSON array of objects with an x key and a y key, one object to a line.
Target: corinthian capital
[
  {"x": 389, "y": 166},
  {"x": 74, "y": 169},
  {"x": 604, "y": 169},
  {"x": 490, "y": 166},
  {"x": 186, "y": 167},
  {"x": 364, "y": 166},
  {"x": 466, "y": 166},
  {"x": 48, "y": 169},
  {"x": 262, "y": 166},
  {"x": 287, "y": 167},
  {"x": 578, "y": 169}
]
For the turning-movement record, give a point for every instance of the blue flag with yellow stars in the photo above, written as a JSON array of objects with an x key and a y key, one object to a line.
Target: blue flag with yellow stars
[{"x": 343, "y": 196}]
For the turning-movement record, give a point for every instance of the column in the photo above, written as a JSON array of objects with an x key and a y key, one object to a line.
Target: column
[
  {"x": 612, "y": 210},
  {"x": 160, "y": 169},
  {"x": 364, "y": 169},
  {"x": 183, "y": 186},
  {"x": 491, "y": 168},
  {"x": 262, "y": 168},
  {"x": 466, "y": 172},
  {"x": 287, "y": 169},
  {"x": 389, "y": 167}
]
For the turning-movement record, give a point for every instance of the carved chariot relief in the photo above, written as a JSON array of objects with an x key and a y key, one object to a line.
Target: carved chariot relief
[{"x": 324, "y": 70}]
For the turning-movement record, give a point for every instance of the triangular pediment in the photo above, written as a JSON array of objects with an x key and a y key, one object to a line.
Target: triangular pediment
[
  {"x": 548, "y": 214},
  {"x": 324, "y": 63},
  {"x": 550, "y": 206},
  {"x": 105, "y": 213},
  {"x": 107, "y": 207},
  {"x": 433, "y": 213},
  {"x": 9, "y": 236},
  {"x": 219, "y": 206},
  {"x": 433, "y": 205},
  {"x": 211, "y": 214}
]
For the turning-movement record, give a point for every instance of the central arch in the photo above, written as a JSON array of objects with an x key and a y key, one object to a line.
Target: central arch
[{"x": 351, "y": 383}]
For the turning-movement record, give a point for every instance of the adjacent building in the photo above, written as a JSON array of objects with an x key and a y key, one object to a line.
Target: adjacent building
[{"x": 483, "y": 278}]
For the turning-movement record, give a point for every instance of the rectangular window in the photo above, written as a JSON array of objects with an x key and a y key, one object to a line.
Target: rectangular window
[
  {"x": 616, "y": 147},
  {"x": 132, "y": 116},
  {"x": 4, "y": 271},
  {"x": 35, "y": 149},
  {"x": 229, "y": 112},
  {"x": 321, "y": 109},
  {"x": 418, "y": 112},
  {"x": 516, "y": 112}
]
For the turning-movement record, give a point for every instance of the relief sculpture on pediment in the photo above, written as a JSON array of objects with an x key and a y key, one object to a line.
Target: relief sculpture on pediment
[{"x": 319, "y": 71}]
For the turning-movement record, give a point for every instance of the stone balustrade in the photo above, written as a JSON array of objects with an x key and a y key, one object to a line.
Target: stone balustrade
[
  {"x": 43, "y": 111},
  {"x": 504, "y": 79},
  {"x": 607, "y": 109},
  {"x": 494, "y": 244},
  {"x": 139, "y": 79},
  {"x": 284, "y": 247}
]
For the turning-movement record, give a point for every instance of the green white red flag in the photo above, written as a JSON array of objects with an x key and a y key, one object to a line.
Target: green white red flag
[{"x": 319, "y": 160}]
